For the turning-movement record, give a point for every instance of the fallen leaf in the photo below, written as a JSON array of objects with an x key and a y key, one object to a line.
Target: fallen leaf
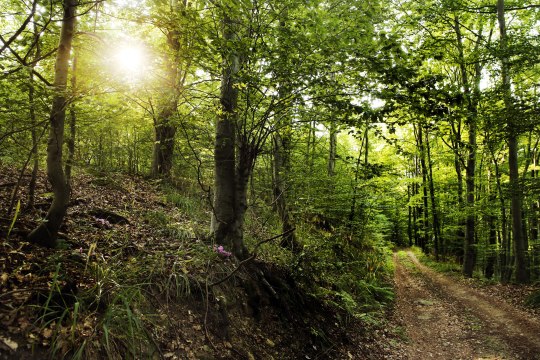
[
  {"x": 10, "y": 343},
  {"x": 47, "y": 333}
]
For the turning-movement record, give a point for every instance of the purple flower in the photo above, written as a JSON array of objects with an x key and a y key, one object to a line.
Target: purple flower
[
  {"x": 221, "y": 251},
  {"x": 103, "y": 223}
]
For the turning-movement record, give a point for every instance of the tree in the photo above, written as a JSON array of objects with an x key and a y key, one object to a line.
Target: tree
[
  {"x": 177, "y": 24},
  {"x": 513, "y": 132},
  {"x": 229, "y": 182},
  {"x": 45, "y": 234}
]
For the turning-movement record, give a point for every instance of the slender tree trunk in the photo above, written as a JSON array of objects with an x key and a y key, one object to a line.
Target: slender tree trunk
[
  {"x": 470, "y": 169},
  {"x": 535, "y": 204},
  {"x": 410, "y": 217},
  {"x": 435, "y": 215},
  {"x": 165, "y": 126},
  {"x": 45, "y": 234},
  {"x": 418, "y": 214},
  {"x": 72, "y": 125},
  {"x": 505, "y": 242},
  {"x": 421, "y": 147},
  {"x": 282, "y": 140},
  {"x": 310, "y": 151},
  {"x": 332, "y": 150},
  {"x": 33, "y": 122},
  {"x": 492, "y": 232},
  {"x": 230, "y": 192},
  {"x": 522, "y": 275},
  {"x": 281, "y": 172}
]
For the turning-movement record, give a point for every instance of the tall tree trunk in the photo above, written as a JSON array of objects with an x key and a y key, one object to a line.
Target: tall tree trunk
[
  {"x": 421, "y": 148},
  {"x": 418, "y": 213},
  {"x": 72, "y": 124},
  {"x": 522, "y": 275},
  {"x": 471, "y": 110},
  {"x": 45, "y": 234},
  {"x": 492, "y": 232},
  {"x": 505, "y": 242},
  {"x": 410, "y": 217},
  {"x": 165, "y": 126},
  {"x": 33, "y": 122},
  {"x": 535, "y": 203},
  {"x": 435, "y": 215},
  {"x": 227, "y": 224},
  {"x": 332, "y": 150},
  {"x": 352, "y": 212},
  {"x": 282, "y": 140},
  {"x": 282, "y": 148}
]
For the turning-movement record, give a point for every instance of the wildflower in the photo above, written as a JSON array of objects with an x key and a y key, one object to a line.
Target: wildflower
[
  {"x": 221, "y": 251},
  {"x": 103, "y": 223}
]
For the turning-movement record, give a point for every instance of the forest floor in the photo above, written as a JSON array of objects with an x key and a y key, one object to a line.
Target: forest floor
[
  {"x": 138, "y": 282},
  {"x": 445, "y": 318},
  {"x": 132, "y": 277}
]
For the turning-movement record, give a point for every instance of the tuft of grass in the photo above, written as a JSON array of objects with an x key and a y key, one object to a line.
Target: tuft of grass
[
  {"x": 156, "y": 218},
  {"x": 533, "y": 300},
  {"x": 114, "y": 318}
]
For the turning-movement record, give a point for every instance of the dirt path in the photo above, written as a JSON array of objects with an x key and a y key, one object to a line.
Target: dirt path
[{"x": 444, "y": 320}]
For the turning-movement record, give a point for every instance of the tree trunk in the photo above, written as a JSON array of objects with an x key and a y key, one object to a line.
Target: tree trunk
[
  {"x": 72, "y": 125},
  {"x": 45, "y": 234},
  {"x": 164, "y": 131},
  {"x": 227, "y": 224},
  {"x": 33, "y": 123},
  {"x": 418, "y": 214},
  {"x": 281, "y": 170},
  {"x": 165, "y": 126},
  {"x": 364, "y": 144},
  {"x": 332, "y": 150},
  {"x": 492, "y": 230},
  {"x": 471, "y": 99},
  {"x": 420, "y": 144},
  {"x": 410, "y": 217},
  {"x": 513, "y": 164},
  {"x": 435, "y": 215}
]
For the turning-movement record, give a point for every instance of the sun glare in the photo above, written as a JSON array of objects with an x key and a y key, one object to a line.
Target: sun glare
[{"x": 130, "y": 60}]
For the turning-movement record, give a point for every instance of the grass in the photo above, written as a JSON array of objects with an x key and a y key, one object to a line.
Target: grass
[
  {"x": 116, "y": 317},
  {"x": 533, "y": 300}
]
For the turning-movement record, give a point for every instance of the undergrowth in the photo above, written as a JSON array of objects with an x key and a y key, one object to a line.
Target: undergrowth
[{"x": 110, "y": 297}]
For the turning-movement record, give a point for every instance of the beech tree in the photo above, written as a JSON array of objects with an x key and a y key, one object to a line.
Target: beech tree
[{"x": 45, "y": 234}]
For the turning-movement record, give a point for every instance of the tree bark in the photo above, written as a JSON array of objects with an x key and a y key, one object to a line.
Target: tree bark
[
  {"x": 72, "y": 125},
  {"x": 435, "y": 215},
  {"x": 229, "y": 191},
  {"x": 332, "y": 149},
  {"x": 513, "y": 164},
  {"x": 45, "y": 234},
  {"x": 492, "y": 234},
  {"x": 281, "y": 169},
  {"x": 421, "y": 147},
  {"x": 470, "y": 169},
  {"x": 33, "y": 122},
  {"x": 164, "y": 124}
]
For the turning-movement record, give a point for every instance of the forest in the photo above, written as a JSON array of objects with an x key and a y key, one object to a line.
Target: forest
[{"x": 251, "y": 179}]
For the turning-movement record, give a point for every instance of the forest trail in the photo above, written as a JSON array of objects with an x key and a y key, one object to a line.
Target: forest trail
[{"x": 445, "y": 320}]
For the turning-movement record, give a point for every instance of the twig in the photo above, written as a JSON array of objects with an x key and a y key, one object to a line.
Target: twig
[
  {"x": 21, "y": 290},
  {"x": 243, "y": 262}
]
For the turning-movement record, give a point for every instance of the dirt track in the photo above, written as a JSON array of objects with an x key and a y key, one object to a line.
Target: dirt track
[{"x": 442, "y": 319}]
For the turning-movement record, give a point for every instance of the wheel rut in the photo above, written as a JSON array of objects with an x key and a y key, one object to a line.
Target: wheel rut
[{"x": 442, "y": 319}]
